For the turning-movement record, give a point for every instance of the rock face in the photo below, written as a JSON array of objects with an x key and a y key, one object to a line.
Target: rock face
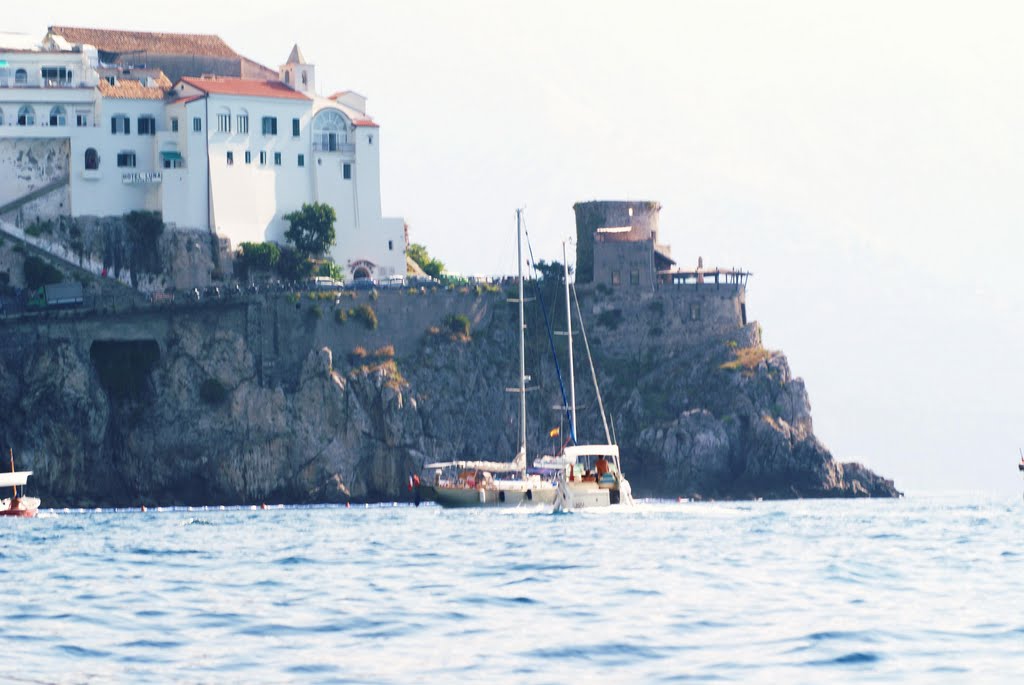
[
  {"x": 196, "y": 428},
  {"x": 185, "y": 418}
]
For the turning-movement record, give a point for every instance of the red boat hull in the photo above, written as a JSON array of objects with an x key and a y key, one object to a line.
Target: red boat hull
[{"x": 21, "y": 513}]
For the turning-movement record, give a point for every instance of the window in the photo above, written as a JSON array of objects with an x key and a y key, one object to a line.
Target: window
[
  {"x": 248, "y": 157},
  {"x": 330, "y": 131},
  {"x": 634, "y": 277},
  {"x": 55, "y": 75},
  {"x": 346, "y": 170},
  {"x": 370, "y": 139},
  {"x": 302, "y": 160},
  {"x": 277, "y": 159},
  {"x": 305, "y": 79},
  {"x": 295, "y": 127},
  {"x": 119, "y": 123},
  {"x": 197, "y": 124},
  {"x": 1, "y": 117},
  {"x": 92, "y": 159},
  {"x": 58, "y": 116},
  {"x": 174, "y": 124},
  {"x": 112, "y": 80},
  {"x": 81, "y": 118},
  {"x": 391, "y": 245},
  {"x": 172, "y": 159},
  {"x": 243, "y": 123},
  {"x": 616, "y": 278},
  {"x": 224, "y": 123},
  {"x": 26, "y": 116},
  {"x": 231, "y": 158},
  {"x": 126, "y": 159},
  {"x": 263, "y": 156},
  {"x": 20, "y": 77},
  {"x": 147, "y": 126},
  {"x": 270, "y": 126}
]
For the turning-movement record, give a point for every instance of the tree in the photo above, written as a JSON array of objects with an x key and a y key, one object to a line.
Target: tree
[
  {"x": 312, "y": 228},
  {"x": 418, "y": 253},
  {"x": 292, "y": 266}
]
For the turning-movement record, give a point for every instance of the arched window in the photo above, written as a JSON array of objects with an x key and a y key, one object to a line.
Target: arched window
[
  {"x": 58, "y": 116},
  {"x": 92, "y": 159},
  {"x": 26, "y": 116},
  {"x": 287, "y": 77},
  {"x": 20, "y": 77},
  {"x": 329, "y": 130},
  {"x": 305, "y": 79},
  {"x": 224, "y": 120},
  {"x": 361, "y": 272}
]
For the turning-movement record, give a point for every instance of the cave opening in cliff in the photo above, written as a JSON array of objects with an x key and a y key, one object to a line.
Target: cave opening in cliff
[{"x": 124, "y": 365}]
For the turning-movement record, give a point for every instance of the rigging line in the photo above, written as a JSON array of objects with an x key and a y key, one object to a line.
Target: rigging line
[
  {"x": 551, "y": 339},
  {"x": 593, "y": 374}
]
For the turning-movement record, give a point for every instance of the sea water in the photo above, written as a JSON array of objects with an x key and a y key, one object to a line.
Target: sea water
[{"x": 922, "y": 589}]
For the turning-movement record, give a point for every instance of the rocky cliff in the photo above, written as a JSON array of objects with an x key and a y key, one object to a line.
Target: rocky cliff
[{"x": 187, "y": 418}]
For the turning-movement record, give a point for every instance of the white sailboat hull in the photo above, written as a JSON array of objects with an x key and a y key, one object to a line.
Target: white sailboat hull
[{"x": 510, "y": 494}]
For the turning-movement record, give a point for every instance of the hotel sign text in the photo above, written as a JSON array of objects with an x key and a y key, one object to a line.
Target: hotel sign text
[{"x": 141, "y": 177}]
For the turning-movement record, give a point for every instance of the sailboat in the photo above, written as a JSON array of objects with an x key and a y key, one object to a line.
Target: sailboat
[
  {"x": 585, "y": 475},
  {"x": 481, "y": 483},
  {"x": 17, "y": 505}
]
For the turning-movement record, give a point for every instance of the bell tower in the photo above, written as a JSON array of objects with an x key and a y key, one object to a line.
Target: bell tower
[{"x": 297, "y": 74}]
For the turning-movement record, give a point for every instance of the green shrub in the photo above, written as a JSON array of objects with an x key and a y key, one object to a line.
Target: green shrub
[
  {"x": 37, "y": 228},
  {"x": 611, "y": 318},
  {"x": 212, "y": 391},
  {"x": 315, "y": 312},
  {"x": 330, "y": 270},
  {"x": 365, "y": 313},
  {"x": 340, "y": 315},
  {"x": 457, "y": 324},
  {"x": 39, "y": 273}
]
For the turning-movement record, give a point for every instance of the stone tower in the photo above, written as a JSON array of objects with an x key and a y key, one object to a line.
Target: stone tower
[{"x": 639, "y": 217}]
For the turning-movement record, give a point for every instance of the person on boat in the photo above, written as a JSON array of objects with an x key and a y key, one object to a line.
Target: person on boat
[{"x": 601, "y": 466}]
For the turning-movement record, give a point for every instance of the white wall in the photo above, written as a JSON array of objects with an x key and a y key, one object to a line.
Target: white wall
[{"x": 250, "y": 200}]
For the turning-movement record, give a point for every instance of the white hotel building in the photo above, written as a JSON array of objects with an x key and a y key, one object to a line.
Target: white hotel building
[{"x": 226, "y": 154}]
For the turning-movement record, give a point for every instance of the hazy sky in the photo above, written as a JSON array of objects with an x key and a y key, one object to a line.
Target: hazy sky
[{"x": 864, "y": 159}]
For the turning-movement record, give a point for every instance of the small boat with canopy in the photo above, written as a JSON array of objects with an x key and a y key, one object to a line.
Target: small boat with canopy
[{"x": 17, "y": 504}]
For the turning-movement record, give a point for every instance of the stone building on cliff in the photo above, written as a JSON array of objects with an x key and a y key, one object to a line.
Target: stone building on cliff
[
  {"x": 617, "y": 247},
  {"x": 91, "y": 125}
]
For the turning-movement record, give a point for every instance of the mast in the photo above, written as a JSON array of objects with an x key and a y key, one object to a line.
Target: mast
[
  {"x": 13, "y": 487},
  {"x": 522, "y": 339},
  {"x": 568, "y": 332},
  {"x": 593, "y": 373}
]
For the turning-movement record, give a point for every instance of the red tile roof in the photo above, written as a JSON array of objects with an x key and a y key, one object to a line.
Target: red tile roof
[
  {"x": 185, "y": 101},
  {"x": 205, "y": 45},
  {"x": 130, "y": 89},
  {"x": 240, "y": 86}
]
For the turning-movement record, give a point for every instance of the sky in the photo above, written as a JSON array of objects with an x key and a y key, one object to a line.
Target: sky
[{"x": 865, "y": 160}]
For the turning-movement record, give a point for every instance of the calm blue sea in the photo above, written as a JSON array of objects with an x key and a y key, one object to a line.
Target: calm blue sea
[{"x": 923, "y": 589}]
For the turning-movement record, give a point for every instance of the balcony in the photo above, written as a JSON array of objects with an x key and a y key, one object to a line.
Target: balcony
[{"x": 343, "y": 148}]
